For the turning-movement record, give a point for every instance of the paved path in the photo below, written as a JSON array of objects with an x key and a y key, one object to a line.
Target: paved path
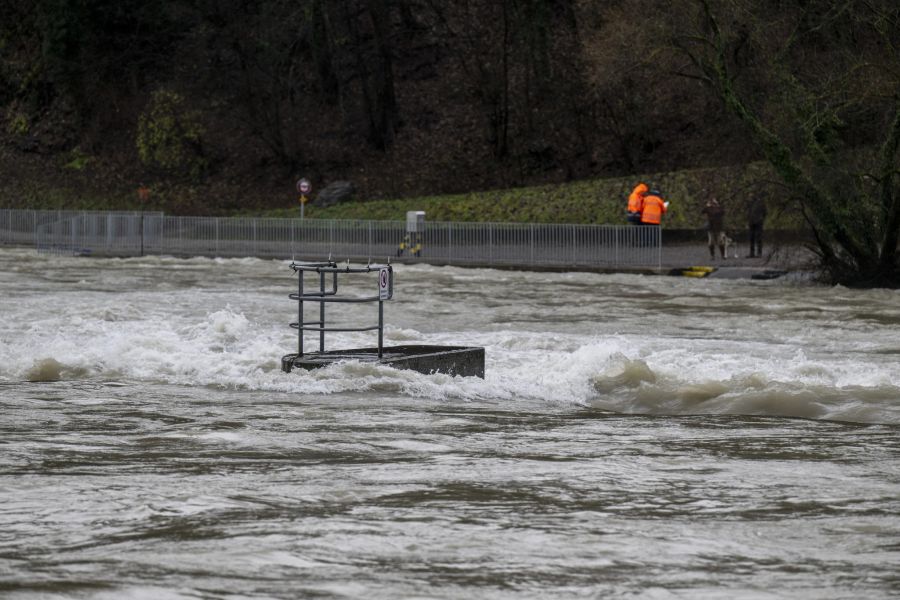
[{"x": 775, "y": 260}]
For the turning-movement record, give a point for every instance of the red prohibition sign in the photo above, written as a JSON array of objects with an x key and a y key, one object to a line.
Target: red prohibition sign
[{"x": 384, "y": 279}]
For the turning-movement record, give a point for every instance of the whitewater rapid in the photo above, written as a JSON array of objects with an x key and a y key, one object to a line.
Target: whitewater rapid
[{"x": 623, "y": 343}]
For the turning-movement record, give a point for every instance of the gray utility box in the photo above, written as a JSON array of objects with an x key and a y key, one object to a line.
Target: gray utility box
[{"x": 415, "y": 221}]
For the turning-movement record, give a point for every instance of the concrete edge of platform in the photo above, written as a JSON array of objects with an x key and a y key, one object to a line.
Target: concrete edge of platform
[{"x": 465, "y": 361}]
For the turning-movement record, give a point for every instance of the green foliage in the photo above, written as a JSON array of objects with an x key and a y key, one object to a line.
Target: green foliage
[
  {"x": 78, "y": 160},
  {"x": 41, "y": 196},
  {"x": 169, "y": 135},
  {"x": 17, "y": 124}
]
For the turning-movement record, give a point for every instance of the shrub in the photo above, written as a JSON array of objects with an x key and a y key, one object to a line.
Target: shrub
[
  {"x": 78, "y": 160},
  {"x": 169, "y": 136}
]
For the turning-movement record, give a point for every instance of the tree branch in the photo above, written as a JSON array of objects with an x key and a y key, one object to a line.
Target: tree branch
[
  {"x": 778, "y": 153},
  {"x": 890, "y": 202}
]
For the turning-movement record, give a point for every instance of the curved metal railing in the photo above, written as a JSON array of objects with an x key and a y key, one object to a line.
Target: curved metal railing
[{"x": 323, "y": 296}]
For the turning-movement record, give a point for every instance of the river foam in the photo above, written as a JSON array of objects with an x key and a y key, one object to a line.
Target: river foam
[
  {"x": 680, "y": 348},
  {"x": 621, "y": 374}
]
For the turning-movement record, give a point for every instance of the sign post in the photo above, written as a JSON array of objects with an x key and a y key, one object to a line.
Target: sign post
[
  {"x": 385, "y": 291},
  {"x": 304, "y": 187}
]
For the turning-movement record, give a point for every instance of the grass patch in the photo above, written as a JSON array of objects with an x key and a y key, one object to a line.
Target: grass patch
[
  {"x": 585, "y": 201},
  {"x": 590, "y": 201}
]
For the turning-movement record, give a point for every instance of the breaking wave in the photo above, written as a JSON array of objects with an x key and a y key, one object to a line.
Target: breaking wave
[
  {"x": 617, "y": 374},
  {"x": 716, "y": 348},
  {"x": 632, "y": 387}
]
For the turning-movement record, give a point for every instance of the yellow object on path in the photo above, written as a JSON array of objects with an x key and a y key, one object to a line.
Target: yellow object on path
[{"x": 697, "y": 271}]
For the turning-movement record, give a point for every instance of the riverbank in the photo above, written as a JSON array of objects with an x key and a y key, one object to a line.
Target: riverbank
[
  {"x": 693, "y": 260},
  {"x": 788, "y": 260}
]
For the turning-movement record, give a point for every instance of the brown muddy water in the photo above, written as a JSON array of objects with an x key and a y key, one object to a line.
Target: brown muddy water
[{"x": 635, "y": 437}]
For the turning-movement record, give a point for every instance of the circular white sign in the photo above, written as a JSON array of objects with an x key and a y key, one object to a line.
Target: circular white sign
[
  {"x": 384, "y": 290},
  {"x": 304, "y": 186}
]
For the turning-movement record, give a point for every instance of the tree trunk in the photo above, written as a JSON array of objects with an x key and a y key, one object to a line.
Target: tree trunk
[
  {"x": 383, "y": 117},
  {"x": 322, "y": 51},
  {"x": 890, "y": 200}
]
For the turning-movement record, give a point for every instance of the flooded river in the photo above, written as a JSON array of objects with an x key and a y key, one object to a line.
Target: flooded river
[{"x": 634, "y": 437}]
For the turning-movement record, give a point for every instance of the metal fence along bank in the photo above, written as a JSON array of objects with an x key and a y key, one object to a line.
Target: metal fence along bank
[{"x": 415, "y": 240}]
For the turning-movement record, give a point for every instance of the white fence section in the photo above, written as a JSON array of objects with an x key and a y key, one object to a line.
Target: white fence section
[{"x": 481, "y": 244}]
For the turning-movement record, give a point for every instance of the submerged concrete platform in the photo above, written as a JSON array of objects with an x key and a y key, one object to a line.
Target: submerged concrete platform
[{"x": 467, "y": 361}]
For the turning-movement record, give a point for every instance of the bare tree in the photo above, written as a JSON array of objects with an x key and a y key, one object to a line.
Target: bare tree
[
  {"x": 830, "y": 124},
  {"x": 376, "y": 69}
]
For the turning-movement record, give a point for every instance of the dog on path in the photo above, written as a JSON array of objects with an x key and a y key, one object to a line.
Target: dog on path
[{"x": 730, "y": 246}]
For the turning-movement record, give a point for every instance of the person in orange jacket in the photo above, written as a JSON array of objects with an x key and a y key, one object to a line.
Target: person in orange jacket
[
  {"x": 651, "y": 217},
  {"x": 654, "y": 208},
  {"x": 636, "y": 204}
]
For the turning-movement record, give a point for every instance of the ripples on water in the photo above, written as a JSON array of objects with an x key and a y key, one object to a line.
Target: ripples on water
[{"x": 634, "y": 437}]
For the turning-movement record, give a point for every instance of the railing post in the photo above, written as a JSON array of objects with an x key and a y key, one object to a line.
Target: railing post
[
  {"x": 618, "y": 242},
  {"x": 531, "y": 244},
  {"x": 300, "y": 313},
  {"x": 490, "y": 243},
  {"x": 380, "y": 327},
  {"x": 574, "y": 243},
  {"x": 322, "y": 312},
  {"x": 659, "y": 250}
]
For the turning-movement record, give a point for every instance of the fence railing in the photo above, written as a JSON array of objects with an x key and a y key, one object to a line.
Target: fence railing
[{"x": 501, "y": 244}]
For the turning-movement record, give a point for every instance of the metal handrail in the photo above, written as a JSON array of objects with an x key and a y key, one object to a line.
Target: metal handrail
[
  {"x": 323, "y": 296},
  {"x": 521, "y": 245}
]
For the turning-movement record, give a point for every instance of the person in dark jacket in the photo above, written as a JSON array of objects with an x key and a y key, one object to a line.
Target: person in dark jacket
[
  {"x": 715, "y": 226},
  {"x": 756, "y": 217}
]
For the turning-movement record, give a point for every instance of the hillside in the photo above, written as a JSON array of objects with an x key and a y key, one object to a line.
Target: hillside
[
  {"x": 220, "y": 107},
  {"x": 544, "y": 110}
]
